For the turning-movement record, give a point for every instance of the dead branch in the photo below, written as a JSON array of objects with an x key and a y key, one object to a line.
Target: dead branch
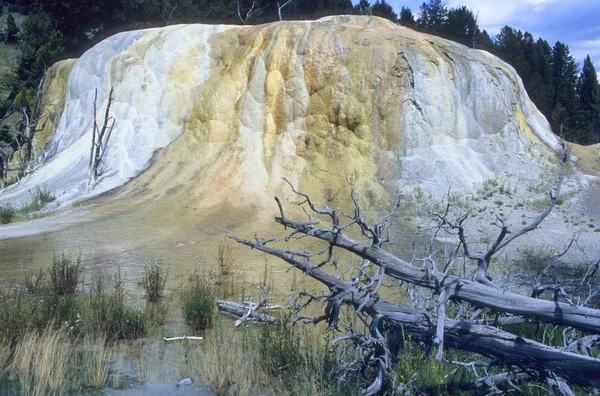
[
  {"x": 100, "y": 138},
  {"x": 489, "y": 384},
  {"x": 281, "y": 7},
  {"x": 358, "y": 287},
  {"x": 505, "y": 348},
  {"x": 245, "y": 314},
  {"x": 183, "y": 338},
  {"x": 251, "y": 11},
  {"x": 459, "y": 289}
]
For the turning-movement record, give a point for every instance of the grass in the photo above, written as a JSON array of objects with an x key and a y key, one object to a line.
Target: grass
[
  {"x": 7, "y": 214},
  {"x": 54, "y": 340},
  {"x": 261, "y": 358},
  {"x": 154, "y": 280},
  {"x": 95, "y": 360},
  {"x": 53, "y": 362},
  {"x": 65, "y": 272},
  {"x": 42, "y": 362},
  {"x": 105, "y": 313},
  {"x": 225, "y": 258},
  {"x": 198, "y": 301},
  {"x": 39, "y": 199}
]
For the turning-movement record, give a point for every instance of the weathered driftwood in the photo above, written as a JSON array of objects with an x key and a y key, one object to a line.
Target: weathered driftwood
[
  {"x": 506, "y": 348},
  {"x": 388, "y": 321},
  {"x": 489, "y": 384},
  {"x": 244, "y": 313},
  {"x": 183, "y": 338},
  {"x": 461, "y": 289}
]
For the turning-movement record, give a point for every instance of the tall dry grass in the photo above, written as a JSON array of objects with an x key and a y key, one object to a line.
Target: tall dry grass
[
  {"x": 4, "y": 357},
  {"x": 263, "y": 358},
  {"x": 42, "y": 362},
  {"x": 95, "y": 359}
]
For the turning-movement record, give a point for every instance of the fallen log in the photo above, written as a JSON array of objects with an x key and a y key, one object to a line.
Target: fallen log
[
  {"x": 498, "y": 383},
  {"x": 505, "y": 348},
  {"x": 387, "y": 323},
  {"x": 459, "y": 289},
  {"x": 241, "y": 311}
]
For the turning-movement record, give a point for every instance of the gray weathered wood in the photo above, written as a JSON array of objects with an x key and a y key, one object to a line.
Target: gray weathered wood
[
  {"x": 240, "y": 310},
  {"x": 506, "y": 348}
]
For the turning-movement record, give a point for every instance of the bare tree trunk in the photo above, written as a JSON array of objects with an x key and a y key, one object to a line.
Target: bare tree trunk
[
  {"x": 359, "y": 288},
  {"x": 244, "y": 313},
  {"x": 281, "y": 7},
  {"x": 100, "y": 138}
]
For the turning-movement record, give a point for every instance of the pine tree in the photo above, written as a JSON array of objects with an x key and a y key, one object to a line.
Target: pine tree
[
  {"x": 566, "y": 111},
  {"x": 363, "y": 8},
  {"x": 483, "y": 41},
  {"x": 589, "y": 96},
  {"x": 384, "y": 10},
  {"x": 540, "y": 87},
  {"x": 434, "y": 16},
  {"x": 461, "y": 25},
  {"x": 508, "y": 46},
  {"x": 11, "y": 29},
  {"x": 406, "y": 17}
]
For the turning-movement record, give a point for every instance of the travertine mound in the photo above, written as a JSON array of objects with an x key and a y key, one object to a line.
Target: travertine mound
[{"x": 236, "y": 108}]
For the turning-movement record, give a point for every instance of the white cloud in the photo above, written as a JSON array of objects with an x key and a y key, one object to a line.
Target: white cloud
[
  {"x": 493, "y": 14},
  {"x": 581, "y": 49}
]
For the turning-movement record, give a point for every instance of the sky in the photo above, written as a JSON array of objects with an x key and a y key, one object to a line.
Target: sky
[{"x": 573, "y": 22}]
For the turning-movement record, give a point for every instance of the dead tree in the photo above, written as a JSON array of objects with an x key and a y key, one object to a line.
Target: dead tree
[
  {"x": 100, "y": 137},
  {"x": 251, "y": 11},
  {"x": 33, "y": 119},
  {"x": 358, "y": 288},
  {"x": 27, "y": 129},
  {"x": 246, "y": 314},
  {"x": 281, "y": 7},
  {"x": 255, "y": 8}
]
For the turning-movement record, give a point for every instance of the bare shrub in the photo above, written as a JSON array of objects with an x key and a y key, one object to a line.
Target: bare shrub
[
  {"x": 65, "y": 273},
  {"x": 154, "y": 280}
]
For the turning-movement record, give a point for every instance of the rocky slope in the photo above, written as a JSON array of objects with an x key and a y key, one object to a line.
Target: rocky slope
[
  {"x": 210, "y": 118},
  {"x": 239, "y": 107}
]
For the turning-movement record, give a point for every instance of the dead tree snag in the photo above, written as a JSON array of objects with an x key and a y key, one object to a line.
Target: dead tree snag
[
  {"x": 358, "y": 287},
  {"x": 100, "y": 138}
]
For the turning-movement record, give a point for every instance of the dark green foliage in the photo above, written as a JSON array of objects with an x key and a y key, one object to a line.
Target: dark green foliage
[
  {"x": 41, "y": 44},
  {"x": 65, "y": 272},
  {"x": 311, "y": 9},
  {"x": 7, "y": 214},
  {"x": 406, "y": 17},
  {"x": 154, "y": 280},
  {"x": 508, "y": 45},
  {"x": 100, "y": 314},
  {"x": 434, "y": 16},
  {"x": 363, "y": 8},
  {"x": 280, "y": 346},
  {"x": 107, "y": 314},
  {"x": 384, "y": 10},
  {"x": 198, "y": 302},
  {"x": 12, "y": 31},
  {"x": 461, "y": 25},
  {"x": 483, "y": 41},
  {"x": 589, "y": 95},
  {"x": 19, "y": 313},
  {"x": 566, "y": 112}
]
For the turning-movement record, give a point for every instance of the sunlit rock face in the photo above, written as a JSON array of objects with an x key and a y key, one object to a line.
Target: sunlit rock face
[{"x": 224, "y": 112}]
